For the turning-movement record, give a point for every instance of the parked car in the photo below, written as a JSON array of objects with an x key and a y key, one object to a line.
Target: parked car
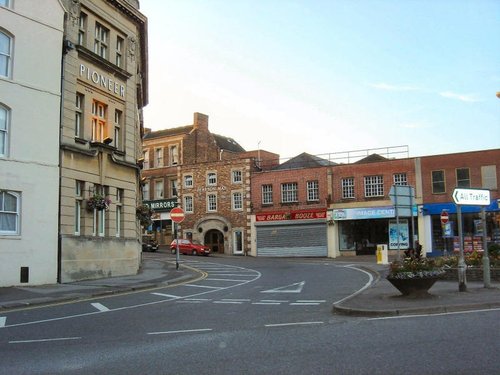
[
  {"x": 149, "y": 243},
  {"x": 189, "y": 247}
]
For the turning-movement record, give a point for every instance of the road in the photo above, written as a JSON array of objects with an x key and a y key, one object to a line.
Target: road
[{"x": 245, "y": 316}]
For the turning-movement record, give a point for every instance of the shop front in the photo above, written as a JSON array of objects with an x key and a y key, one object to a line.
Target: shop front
[
  {"x": 300, "y": 233},
  {"x": 162, "y": 227},
  {"x": 444, "y": 238},
  {"x": 360, "y": 230}
]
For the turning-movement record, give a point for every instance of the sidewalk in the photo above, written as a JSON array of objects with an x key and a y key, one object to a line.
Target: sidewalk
[{"x": 379, "y": 299}]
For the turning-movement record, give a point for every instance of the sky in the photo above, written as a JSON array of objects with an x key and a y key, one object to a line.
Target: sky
[{"x": 328, "y": 76}]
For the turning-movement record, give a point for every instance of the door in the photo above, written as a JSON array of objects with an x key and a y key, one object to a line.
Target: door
[{"x": 214, "y": 239}]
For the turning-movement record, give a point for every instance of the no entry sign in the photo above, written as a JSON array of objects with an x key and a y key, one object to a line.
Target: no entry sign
[
  {"x": 177, "y": 215},
  {"x": 444, "y": 217}
]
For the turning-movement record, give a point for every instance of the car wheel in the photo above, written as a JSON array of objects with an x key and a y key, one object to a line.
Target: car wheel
[{"x": 194, "y": 252}]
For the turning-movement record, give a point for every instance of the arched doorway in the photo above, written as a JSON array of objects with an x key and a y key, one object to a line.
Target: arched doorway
[{"x": 214, "y": 239}]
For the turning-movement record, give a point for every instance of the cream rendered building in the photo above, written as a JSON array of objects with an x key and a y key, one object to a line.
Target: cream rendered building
[
  {"x": 31, "y": 36},
  {"x": 104, "y": 90}
]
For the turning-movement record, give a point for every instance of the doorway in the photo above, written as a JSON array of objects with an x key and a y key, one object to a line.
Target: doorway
[{"x": 214, "y": 239}]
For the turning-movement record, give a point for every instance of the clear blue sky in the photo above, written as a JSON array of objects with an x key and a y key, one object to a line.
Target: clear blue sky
[{"x": 329, "y": 76}]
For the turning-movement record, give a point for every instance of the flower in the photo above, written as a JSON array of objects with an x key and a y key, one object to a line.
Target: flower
[
  {"x": 98, "y": 202},
  {"x": 144, "y": 214},
  {"x": 414, "y": 268}
]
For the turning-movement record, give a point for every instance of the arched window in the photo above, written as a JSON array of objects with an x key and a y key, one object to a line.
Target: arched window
[
  {"x": 4, "y": 130},
  {"x": 10, "y": 211},
  {"x": 5, "y": 54}
]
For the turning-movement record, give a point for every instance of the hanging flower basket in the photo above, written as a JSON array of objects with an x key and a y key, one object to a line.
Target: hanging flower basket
[
  {"x": 98, "y": 202},
  {"x": 144, "y": 215}
]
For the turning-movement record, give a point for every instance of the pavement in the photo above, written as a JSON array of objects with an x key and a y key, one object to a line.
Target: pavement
[{"x": 379, "y": 298}]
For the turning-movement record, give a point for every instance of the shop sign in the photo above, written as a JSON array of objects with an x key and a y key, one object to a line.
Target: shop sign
[
  {"x": 292, "y": 215},
  {"x": 364, "y": 213},
  {"x": 161, "y": 204}
]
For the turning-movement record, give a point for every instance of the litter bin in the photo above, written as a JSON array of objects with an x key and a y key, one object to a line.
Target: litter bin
[{"x": 382, "y": 256}]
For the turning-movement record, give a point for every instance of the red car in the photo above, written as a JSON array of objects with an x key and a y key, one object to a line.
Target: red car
[{"x": 189, "y": 247}]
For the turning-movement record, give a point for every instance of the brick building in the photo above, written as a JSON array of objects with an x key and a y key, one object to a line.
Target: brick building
[{"x": 208, "y": 175}]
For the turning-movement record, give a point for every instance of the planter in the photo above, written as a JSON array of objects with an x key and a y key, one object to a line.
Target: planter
[{"x": 416, "y": 287}]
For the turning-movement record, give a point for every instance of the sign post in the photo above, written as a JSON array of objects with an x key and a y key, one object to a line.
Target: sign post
[
  {"x": 402, "y": 196},
  {"x": 177, "y": 216},
  {"x": 471, "y": 197}
]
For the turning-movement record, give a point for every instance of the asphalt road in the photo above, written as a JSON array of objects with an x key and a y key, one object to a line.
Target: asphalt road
[{"x": 245, "y": 316}]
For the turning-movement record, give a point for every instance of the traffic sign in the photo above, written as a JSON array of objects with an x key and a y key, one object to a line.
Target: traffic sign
[
  {"x": 444, "y": 217},
  {"x": 177, "y": 215},
  {"x": 472, "y": 197}
]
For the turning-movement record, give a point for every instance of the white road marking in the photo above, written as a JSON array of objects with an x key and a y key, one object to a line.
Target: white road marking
[
  {"x": 166, "y": 295},
  {"x": 304, "y": 304},
  {"x": 204, "y": 286},
  {"x": 292, "y": 288},
  {"x": 292, "y": 324},
  {"x": 197, "y": 299},
  {"x": 100, "y": 307},
  {"x": 181, "y": 331},
  {"x": 44, "y": 340},
  {"x": 274, "y": 300},
  {"x": 236, "y": 299},
  {"x": 370, "y": 280},
  {"x": 266, "y": 303},
  {"x": 229, "y": 302},
  {"x": 310, "y": 301},
  {"x": 3, "y": 320},
  {"x": 230, "y": 280}
]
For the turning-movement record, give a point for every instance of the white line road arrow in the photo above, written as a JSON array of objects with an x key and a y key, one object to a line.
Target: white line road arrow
[{"x": 292, "y": 288}]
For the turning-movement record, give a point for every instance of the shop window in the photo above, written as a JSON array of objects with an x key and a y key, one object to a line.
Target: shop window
[
  {"x": 400, "y": 179},
  {"x": 237, "y": 201},
  {"x": 348, "y": 188},
  {"x": 188, "y": 203},
  {"x": 289, "y": 193},
  {"x": 5, "y": 3},
  {"x": 463, "y": 177},
  {"x": 488, "y": 177},
  {"x": 10, "y": 212},
  {"x": 5, "y": 54},
  {"x": 267, "y": 194},
  {"x": 4, "y": 130},
  {"x": 438, "y": 185},
  {"x": 312, "y": 191},
  {"x": 238, "y": 241},
  {"x": 374, "y": 186}
]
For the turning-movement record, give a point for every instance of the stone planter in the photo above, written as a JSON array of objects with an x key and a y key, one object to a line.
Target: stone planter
[{"x": 416, "y": 287}]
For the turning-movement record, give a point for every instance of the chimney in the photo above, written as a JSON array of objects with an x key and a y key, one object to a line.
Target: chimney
[{"x": 200, "y": 121}]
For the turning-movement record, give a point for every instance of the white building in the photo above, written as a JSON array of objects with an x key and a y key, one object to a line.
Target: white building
[{"x": 31, "y": 39}]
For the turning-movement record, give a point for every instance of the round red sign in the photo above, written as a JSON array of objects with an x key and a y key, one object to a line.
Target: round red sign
[
  {"x": 444, "y": 217},
  {"x": 177, "y": 214}
]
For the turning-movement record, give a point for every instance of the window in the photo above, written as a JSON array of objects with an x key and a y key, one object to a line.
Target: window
[
  {"x": 5, "y": 3},
  {"x": 438, "y": 186},
  {"x": 188, "y": 181},
  {"x": 5, "y": 54},
  {"x": 158, "y": 157},
  {"x": 99, "y": 218},
  {"x": 79, "y": 187},
  {"x": 489, "y": 177},
  {"x": 174, "y": 155},
  {"x": 158, "y": 189},
  {"x": 4, "y": 130},
  {"x": 289, "y": 193},
  {"x": 82, "y": 29},
  {"x": 10, "y": 211},
  {"x": 98, "y": 121},
  {"x": 118, "y": 213},
  {"x": 237, "y": 241},
  {"x": 173, "y": 188},
  {"x": 212, "y": 178},
  {"x": 118, "y": 125},
  {"x": 237, "y": 177},
  {"x": 145, "y": 192},
  {"x": 101, "y": 40},
  {"x": 146, "y": 159},
  {"x": 237, "y": 201},
  {"x": 188, "y": 203},
  {"x": 400, "y": 179},
  {"x": 374, "y": 186},
  {"x": 312, "y": 191},
  {"x": 463, "y": 177},
  {"x": 348, "y": 188},
  {"x": 212, "y": 202},
  {"x": 267, "y": 194},
  {"x": 119, "y": 51},
  {"x": 79, "y": 115}
]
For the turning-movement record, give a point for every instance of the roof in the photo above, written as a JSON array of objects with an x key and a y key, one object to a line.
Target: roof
[
  {"x": 169, "y": 132},
  {"x": 304, "y": 160},
  {"x": 373, "y": 158},
  {"x": 228, "y": 144}
]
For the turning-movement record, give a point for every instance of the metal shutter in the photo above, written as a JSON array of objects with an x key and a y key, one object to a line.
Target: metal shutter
[{"x": 304, "y": 240}]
